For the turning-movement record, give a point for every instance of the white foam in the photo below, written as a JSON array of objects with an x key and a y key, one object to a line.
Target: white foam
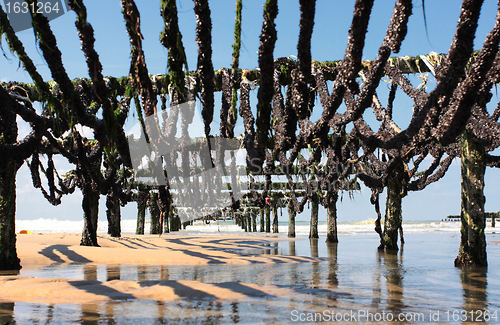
[
  {"x": 368, "y": 227},
  {"x": 66, "y": 226},
  {"x": 128, "y": 226}
]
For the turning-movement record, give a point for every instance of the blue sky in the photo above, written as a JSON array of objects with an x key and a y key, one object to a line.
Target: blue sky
[{"x": 329, "y": 39}]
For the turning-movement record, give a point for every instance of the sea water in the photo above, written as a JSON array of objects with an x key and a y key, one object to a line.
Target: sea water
[{"x": 352, "y": 283}]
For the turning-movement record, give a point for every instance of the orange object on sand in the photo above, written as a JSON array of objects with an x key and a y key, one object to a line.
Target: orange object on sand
[{"x": 26, "y": 232}]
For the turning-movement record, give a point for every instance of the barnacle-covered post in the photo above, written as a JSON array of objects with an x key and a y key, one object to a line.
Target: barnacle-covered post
[
  {"x": 472, "y": 251},
  {"x": 393, "y": 214},
  {"x": 313, "y": 228},
  {"x": 8, "y": 171},
  {"x": 275, "y": 215},
  {"x": 166, "y": 221},
  {"x": 90, "y": 202},
  {"x": 142, "y": 198},
  {"x": 240, "y": 221},
  {"x": 254, "y": 217},
  {"x": 262, "y": 222},
  {"x": 236, "y": 221},
  {"x": 331, "y": 232},
  {"x": 291, "y": 219},
  {"x": 268, "y": 218},
  {"x": 113, "y": 215},
  {"x": 90, "y": 205},
  {"x": 154, "y": 213},
  {"x": 244, "y": 222},
  {"x": 248, "y": 218},
  {"x": 175, "y": 223},
  {"x": 171, "y": 216}
]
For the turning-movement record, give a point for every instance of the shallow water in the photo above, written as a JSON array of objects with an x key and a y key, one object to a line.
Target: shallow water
[{"x": 353, "y": 283}]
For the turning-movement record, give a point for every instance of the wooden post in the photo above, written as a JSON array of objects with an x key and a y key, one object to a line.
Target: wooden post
[
  {"x": 331, "y": 233},
  {"x": 275, "y": 216},
  {"x": 268, "y": 218},
  {"x": 142, "y": 198},
  {"x": 393, "y": 214},
  {"x": 472, "y": 250},
  {"x": 254, "y": 217},
  {"x": 291, "y": 219},
  {"x": 243, "y": 221},
  {"x": 154, "y": 213},
  {"x": 175, "y": 223},
  {"x": 90, "y": 205},
  {"x": 113, "y": 215},
  {"x": 166, "y": 220},
  {"x": 313, "y": 227},
  {"x": 8, "y": 252},
  {"x": 262, "y": 220}
]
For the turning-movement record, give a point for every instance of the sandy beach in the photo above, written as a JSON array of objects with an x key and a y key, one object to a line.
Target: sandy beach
[
  {"x": 49, "y": 250},
  {"x": 248, "y": 278},
  {"x": 46, "y": 249}
]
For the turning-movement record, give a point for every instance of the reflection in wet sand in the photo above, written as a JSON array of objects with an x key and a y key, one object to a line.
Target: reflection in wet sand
[
  {"x": 90, "y": 272},
  {"x": 314, "y": 247},
  {"x": 92, "y": 312},
  {"x": 6, "y": 313},
  {"x": 474, "y": 284},
  {"x": 315, "y": 268},
  {"x": 332, "y": 264},
  {"x": 165, "y": 275},
  {"x": 291, "y": 248},
  {"x": 275, "y": 251},
  {"x": 113, "y": 272},
  {"x": 393, "y": 271}
]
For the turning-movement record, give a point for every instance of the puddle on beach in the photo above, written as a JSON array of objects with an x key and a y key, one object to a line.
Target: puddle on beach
[{"x": 352, "y": 280}]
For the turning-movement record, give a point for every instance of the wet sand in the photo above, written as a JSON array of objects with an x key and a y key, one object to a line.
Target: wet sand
[
  {"x": 245, "y": 279},
  {"x": 46, "y": 251}
]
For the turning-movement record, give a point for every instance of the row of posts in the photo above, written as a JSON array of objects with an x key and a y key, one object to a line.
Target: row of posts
[
  {"x": 159, "y": 219},
  {"x": 250, "y": 221}
]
